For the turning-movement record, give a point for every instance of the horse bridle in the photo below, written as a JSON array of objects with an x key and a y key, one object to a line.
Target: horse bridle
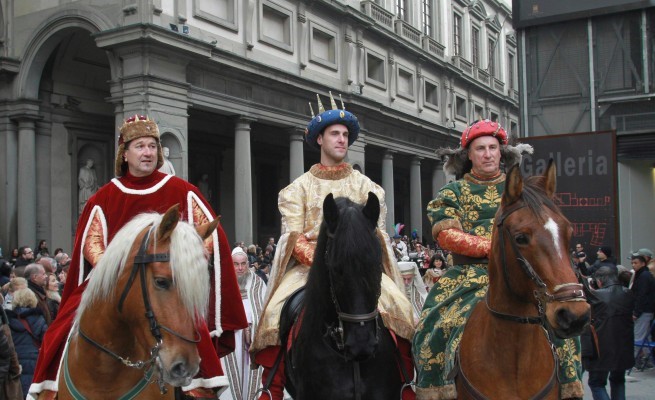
[
  {"x": 562, "y": 293},
  {"x": 141, "y": 260},
  {"x": 337, "y": 333}
]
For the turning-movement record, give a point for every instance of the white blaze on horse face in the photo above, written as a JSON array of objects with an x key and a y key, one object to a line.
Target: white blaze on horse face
[{"x": 551, "y": 226}]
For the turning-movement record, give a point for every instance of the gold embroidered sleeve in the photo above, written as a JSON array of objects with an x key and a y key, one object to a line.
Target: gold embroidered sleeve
[
  {"x": 94, "y": 242},
  {"x": 463, "y": 243},
  {"x": 303, "y": 251}
]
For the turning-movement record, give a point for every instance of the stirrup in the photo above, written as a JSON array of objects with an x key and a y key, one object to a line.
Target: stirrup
[
  {"x": 404, "y": 386},
  {"x": 262, "y": 391}
]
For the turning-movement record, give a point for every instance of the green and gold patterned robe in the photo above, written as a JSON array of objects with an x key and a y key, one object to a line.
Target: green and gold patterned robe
[{"x": 468, "y": 205}]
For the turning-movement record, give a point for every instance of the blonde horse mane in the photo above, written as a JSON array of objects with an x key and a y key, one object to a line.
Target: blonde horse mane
[{"x": 188, "y": 263}]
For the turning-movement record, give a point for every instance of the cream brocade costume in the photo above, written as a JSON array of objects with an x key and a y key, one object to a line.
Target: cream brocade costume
[{"x": 301, "y": 206}]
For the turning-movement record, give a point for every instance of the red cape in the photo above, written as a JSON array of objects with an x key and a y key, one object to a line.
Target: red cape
[{"x": 114, "y": 205}]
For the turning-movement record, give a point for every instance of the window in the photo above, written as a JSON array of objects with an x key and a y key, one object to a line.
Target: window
[
  {"x": 401, "y": 10},
  {"x": 514, "y": 128},
  {"x": 323, "y": 48},
  {"x": 478, "y": 112},
  {"x": 431, "y": 94},
  {"x": 405, "y": 83},
  {"x": 220, "y": 12},
  {"x": 275, "y": 26},
  {"x": 426, "y": 17},
  {"x": 494, "y": 117},
  {"x": 457, "y": 34},
  {"x": 510, "y": 71},
  {"x": 375, "y": 70},
  {"x": 475, "y": 46},
  {"x": 491, "y": 60},
  {"x": 460, "y": 108}
]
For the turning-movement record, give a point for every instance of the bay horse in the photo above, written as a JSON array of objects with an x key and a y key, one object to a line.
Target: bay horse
[
  {"x": 136, "y": 323},
  {"x": 506, "y": 350},
  {"x": 342, "y": 349}
]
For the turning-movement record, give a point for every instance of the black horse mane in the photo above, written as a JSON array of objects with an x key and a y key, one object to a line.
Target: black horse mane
[{"x": 356, "y": 262}]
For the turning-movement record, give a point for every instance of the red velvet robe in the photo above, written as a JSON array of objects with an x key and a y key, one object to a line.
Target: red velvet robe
[{"x": 111, "y": 208}]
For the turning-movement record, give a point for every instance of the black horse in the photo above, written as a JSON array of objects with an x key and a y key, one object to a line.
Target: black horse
[{"x": 342, "y": 349}]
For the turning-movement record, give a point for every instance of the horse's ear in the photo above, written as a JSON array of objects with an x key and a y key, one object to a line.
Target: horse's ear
[
  {"x": 169, "y": 222},
  {"x": 513, "y": 186},
  {"x": 550, "y": 179},
  {"x": 205, "y": 230},
  {"x": 330, "y": 212},
  {"x": 372, "y": 208}
]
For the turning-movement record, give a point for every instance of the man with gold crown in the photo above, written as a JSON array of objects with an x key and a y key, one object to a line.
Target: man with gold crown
[
  {"x": 301, "y": 206},
  {"x": 138, "y": 188},
  {"x": 462, "y": 217}
]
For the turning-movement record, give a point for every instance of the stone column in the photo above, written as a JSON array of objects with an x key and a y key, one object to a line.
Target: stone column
[
  {"x": 438, "y": 179},
  {"x": 387, "y": 185},
  {"x": 26, "y": 182},
  {"x": 243, "y": 182},
  {"x": 296, "y": 157},
  {"x": 415, "y": 204}
]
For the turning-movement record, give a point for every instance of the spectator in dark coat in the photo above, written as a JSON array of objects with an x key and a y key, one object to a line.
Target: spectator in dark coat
[
  {"x": 604, "y": 259},
  {"x": 643, "y": 288},
  {"x": 9, "y": 365},
  {"x": 26, "y": 315},
  {"x": 611, "y": 313}
]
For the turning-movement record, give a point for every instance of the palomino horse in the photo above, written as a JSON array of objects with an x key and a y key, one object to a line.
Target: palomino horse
[
  {"x": 506, "y": 350},
  {"x": 342, "y": 349},
  {"x": 137, "y": 319}
]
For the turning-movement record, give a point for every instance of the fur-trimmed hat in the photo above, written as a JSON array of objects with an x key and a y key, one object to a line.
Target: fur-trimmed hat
[
  {"x": 136, "y": 127},
  {"x": 456, "y": 161},
  {"x": 330, "y": 117}
]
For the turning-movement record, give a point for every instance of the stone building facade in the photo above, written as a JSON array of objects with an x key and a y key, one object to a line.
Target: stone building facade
[{"x": 229, "y": 82}]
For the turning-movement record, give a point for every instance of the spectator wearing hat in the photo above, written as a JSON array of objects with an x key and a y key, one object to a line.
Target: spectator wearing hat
[
  {"x": 611, "y": 311},
  {"x": 603, "y": 259},
  {"x": 648, "y": 256},
  {"x": 643, "y": 288},
  {"x": 399, "y": 247}
]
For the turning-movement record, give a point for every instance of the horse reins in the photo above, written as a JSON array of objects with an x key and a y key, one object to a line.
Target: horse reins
[
  {"x": 562, "y": 293},
  {"x": 141, "y": 260}
]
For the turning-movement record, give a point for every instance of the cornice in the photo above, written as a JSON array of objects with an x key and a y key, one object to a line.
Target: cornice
[{"x": 145, "y": 33}]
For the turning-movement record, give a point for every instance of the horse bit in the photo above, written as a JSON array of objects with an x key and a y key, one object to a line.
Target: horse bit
[{"x": 141, "y": 260}]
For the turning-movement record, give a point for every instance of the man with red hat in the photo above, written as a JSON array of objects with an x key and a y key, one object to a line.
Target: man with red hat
[
  {"x": 462, "y": 221},
  {"x": 138, "y": 188},
  {"x": 301, "y": 206}
]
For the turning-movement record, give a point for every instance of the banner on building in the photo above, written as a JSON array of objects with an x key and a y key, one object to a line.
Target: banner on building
[{"x": 586, "y": 183}]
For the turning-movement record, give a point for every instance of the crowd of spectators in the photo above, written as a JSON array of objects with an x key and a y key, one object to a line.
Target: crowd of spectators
[
  {"x": 431, "y": 260},
  {"x": 31, "y": 283},
  {"x": 622, "y": 300}
]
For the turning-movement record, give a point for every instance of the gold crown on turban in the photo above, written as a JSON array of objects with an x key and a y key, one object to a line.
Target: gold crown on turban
[{"x": 135, "y": 127}]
